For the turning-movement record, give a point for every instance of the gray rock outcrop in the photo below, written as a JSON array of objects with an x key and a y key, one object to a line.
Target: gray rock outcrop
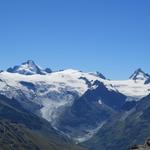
[{"x": 146, "y": 146}]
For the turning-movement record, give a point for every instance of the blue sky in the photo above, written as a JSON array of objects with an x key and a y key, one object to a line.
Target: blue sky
[{"x": 110, "y": 36}]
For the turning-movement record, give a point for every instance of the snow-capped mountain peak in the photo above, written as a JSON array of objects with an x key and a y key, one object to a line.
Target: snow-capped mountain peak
[
  {"x": 27, "y": 68},
  {"x": 139, "y": 74},
  {"x": 30, "y": 63}
]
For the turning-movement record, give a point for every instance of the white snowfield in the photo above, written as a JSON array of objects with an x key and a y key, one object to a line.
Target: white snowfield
[
  {"x": 72, "y": 80},
  {"x": 57, "y": 90}
]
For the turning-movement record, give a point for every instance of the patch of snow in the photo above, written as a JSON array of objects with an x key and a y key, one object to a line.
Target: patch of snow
[{"x": 100, "y": 102}]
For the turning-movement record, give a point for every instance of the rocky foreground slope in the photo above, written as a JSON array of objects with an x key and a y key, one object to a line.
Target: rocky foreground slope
[{"x": 146, "y": 146}]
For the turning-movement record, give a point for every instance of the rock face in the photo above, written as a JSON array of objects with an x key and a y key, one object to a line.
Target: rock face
[{"x": 146, "y": 146}]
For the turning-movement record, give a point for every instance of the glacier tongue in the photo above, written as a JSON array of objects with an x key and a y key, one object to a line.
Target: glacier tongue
[
  {"x": 52, "y": 109},
  {"x": 90, "y": 133}
]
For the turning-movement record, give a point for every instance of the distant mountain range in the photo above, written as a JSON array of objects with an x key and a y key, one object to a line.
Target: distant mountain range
[{"x": 87, "y": 108}]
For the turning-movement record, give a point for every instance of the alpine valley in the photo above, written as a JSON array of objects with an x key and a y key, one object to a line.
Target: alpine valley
[{"x": 68, "y": 109}]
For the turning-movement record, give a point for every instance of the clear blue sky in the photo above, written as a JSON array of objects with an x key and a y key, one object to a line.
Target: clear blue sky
[{"x": 111, "y": 36}]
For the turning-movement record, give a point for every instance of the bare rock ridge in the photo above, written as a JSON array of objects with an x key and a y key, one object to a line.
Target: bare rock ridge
[{"x": 146, "y": 146}]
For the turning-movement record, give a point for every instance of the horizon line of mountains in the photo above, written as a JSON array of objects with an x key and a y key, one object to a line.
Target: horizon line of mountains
[{"x": 31, "y": 68}]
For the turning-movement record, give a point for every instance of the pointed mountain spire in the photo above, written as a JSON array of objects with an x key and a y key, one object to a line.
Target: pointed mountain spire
[
  {"x": 139, "y": 74},
  {"x": 27, "y": 68}
]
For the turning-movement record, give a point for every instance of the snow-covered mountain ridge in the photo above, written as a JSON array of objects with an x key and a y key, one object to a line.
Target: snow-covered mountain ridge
[
  {"x": 74, "y": 79},
  {"x": 53, "y": 91}
]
